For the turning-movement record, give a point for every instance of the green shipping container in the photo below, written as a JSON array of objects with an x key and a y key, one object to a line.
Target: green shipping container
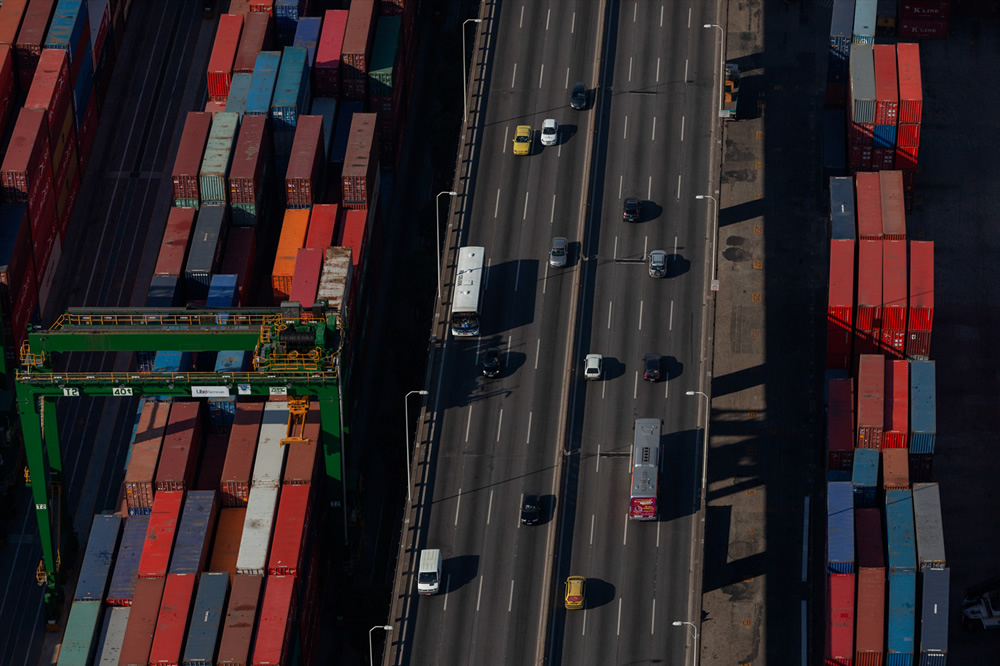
[
  {"x": 384, "y": 56},
  {"x": 80, "y": 639},
  {"x": 218, "y": 156}
]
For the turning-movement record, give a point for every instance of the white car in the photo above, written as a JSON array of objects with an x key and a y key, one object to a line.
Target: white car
[
  {"x": 593, "y": 366},
  {"x": 550, "y": 132},
  {"x": 657, "y": 263}
]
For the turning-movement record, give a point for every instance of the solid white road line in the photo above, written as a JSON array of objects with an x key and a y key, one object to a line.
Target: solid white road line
[
  {"x": 489, "y": 509},
  {"x": 499, "y": 424},
  {"x": 458, "y": 505}
]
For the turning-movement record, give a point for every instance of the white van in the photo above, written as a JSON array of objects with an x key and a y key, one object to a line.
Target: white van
[{"x": 429, "y": 573}]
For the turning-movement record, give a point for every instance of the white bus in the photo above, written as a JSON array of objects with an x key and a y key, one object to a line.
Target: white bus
[
  {"x": 645, "y": 469},
  {"x": 466, "y": 299}
]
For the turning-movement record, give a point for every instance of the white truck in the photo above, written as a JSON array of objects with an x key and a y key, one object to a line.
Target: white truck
[{"x": 429, "y": 571}]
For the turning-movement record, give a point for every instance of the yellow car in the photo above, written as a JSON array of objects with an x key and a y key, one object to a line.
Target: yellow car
[
  {"x": 522, "y": 140},
  {"x": 576, "y": 591}
]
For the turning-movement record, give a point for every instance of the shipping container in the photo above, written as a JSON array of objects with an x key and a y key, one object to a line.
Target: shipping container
[
  {"x": 292, "y": 94},
  {"x": 356, "y": 49},
  {"x": 206, "y": 620},
  {"x": 206, "y": 250},
  {"x": 895, "y": 469},
  {"x": 326, "y": 70},
  {"x": 307, "y": 36},
  {"x": 893, "y": 214},
  {"x": 265, "y": 74},
  {"x": 840, "y": 316},
  {"x": 291, "y": 531},
  {"x": 287, "y": 14},
  {"x": 239, "y": 91},
  {"x": 11, "y": 16},
  {"x": 194, "y": 534},
  {"x": 126, "y": 572},
  {"x": 236, "y": 473},
  {"x": 864, "y": 478},
  {"x": 869, "y": 206},
  {"x": 226, "y": 547},
  {"x": 840, "y": 527},
  {"x": 110, "y": 648},
  {"x": 238, "y": 258},
  {"x": 18, "y": 292},
  {"x": 899, "y": 530},
  {"x": 142, "y": 622},
  {"x": 50, "y": 90},
  {"x": 144, "y": 454},
  {"x": 869, "y": 297},
  {"x": 172, "y": 620},
  {"x": 187, "y": 164},
  {"x": 841, "y": 37},
  {"x": 80, "y": 637},
  {"x": 862, "y": 88},
  {"x": 842, "y": 222},
  {"x": 95, "y": 568},
  {"x": 277, "y": 621},
  {"x": 886, "y": 91},
  {"x": 896, "y": 426},
  {"x": 921, "y": 311},
  {"x": 218, "y": 157},
  {"x": 894, "y": 293},
  {"x": 871, "y": 401},
  {"x": 27, "y": 167},
  {"x": 30, "y": 39},
  {"x": 322, "y": 226},
  {"x": 256, "y": 37},
  {"x": 181, "y": 447},
  {"x": 220, "y": 63},
  {"x": 840, "y": 425},
  {"x": 934, "y": 617},
  {"x": 928, "y": 525},
  {"x": 212, "y": 458},
  {"x": 7, "y": 78},
  {"x": 908, "y": 135},
  {"x": 257, "y": 529},
  {"x": 241, "y": 617},
  {"x": 336, "y": 281},
  {"x": 360, "y": 163},
  {"x": 270, "y": 463},
  {"x": 923, "y": 29},
  {"x": 170, "y": 362},
  {"x": 923, "y": 407},
  {"x": 294, "y": 228},
  {"x": 308, "y": 265},
  {"x": 303, "y": 186},
  {"x": 840, "y": 618},
  {"x": 902, "y": 617},
  {"x": 326, "y": 108},
  {"x": 923, "y": 9},
  {"x": 384, "y": 57},
  {"x": 870, "y": 615},
  {"x": 921, "y": 467},
  {"x": 176, "y": 239},
  {"x": 342, "y": 130},
  {"x": 300, "y": 466},
  {"x": 250, "y": 171},
  {"x": 70, "y": 31},
  {"x": 160, "y": 534},
  {"x": 865, "y": 12},
  {"x": 911, "y": 98},
  {"x": 834, "y": 146}
]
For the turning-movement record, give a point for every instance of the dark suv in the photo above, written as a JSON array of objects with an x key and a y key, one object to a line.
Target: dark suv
[
  {"x": 491, "y": 362},
  {"x": 651, "y": 371},
  {"x": 578, "y": 98},
  {"x": 632, "y": 210},
  {"x": 529, "y": 510}
]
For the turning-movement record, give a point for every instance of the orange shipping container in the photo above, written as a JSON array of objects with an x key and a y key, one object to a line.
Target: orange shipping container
[
  {"x": 226, "y": 548},
  {"x": 895, "y": 469},
  {"x": 293, "y": 237}
]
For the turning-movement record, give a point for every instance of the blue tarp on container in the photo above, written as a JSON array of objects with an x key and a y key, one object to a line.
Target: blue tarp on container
[
  {"x": 885, "y": 136},
  {"x": 84, "y": 86},
  {"x": 163, "y": 292},
  {"x": 902, "y": 617},
  {"x": 842, "y": 222},
  {"x": 900, "y": 533},
  {"x": 291, "y": 98},
  {"x": 206, "y": 620},
  {"x": 95, "y": 568},
  {"x": 307, "y": 36},
  {"x": 286, "y": 17},
  {"x": 840, "y": 527},
  {"x": 239, "y": 92},
  {"x": 265, "y": 74},
  {"x": 194, "y": 532},
  {"x": 923, "y": 407},
  {"x": 67, "y": 26},
  {"x": 841, "y": 34},
  {"x": 127, "y": 563},
  {"x": 345, "y": 114},
  {"x": 865, "y": 477},
  {"x": 934, "y": 617}
]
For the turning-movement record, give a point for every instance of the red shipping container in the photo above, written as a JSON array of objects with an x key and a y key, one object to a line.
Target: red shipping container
[
  {"x": 893, "y": 329},
  {"x": 238, "y": 259},
  {"x": 302, "y": 185},
  {"x": 220, "y": 63},
  {"x": 44, "y": 232},
  {"x": 277, "y": 621},
  {"x": 291, "y": 529},
  {"x": 897, "y": 404},
  {"x": 66, "y": 180},
  {"x": 7, "y": 96},
  {"x": 160, "y": 534},
  {"x": 883, "y": 159},
  {"x": 895, "y": 469},
  {"x": 840, "y": 425},
  {"x": 172, "y": 620},
  {"x": 235, "y": 485},
  {"x": 264, "y": 6},
  {"x": 141, "y": 470},
  {"x": 27, "y": 166},
  {"x": 923, "y": 9},
  {"x": 176, "y": 238},
  {"x": 30, "y": 39},
  {"x": 300, "y": 463},
  {"x": 11, "y": 15},
  {"x": 50, "y": 90},
  {"x": 871, "y": 401},
  {"x": 256, "y": 37},
  {"x": 213, "y": 457},
  {"x": 908, "y": 135},
  {"x": 921, "y": 314},
  {"x": 360, "y": 163},
  {"x": 356, "y": 49},
  {"x": 923, "y": 29},
  {"x": 239, "y": 6},
  {"x": 840, "y": 619},
  {"x": 869, "y": 206},
  {"x": 241, "y": 616},
  {"x": 886, "y": 92},
  {"x": 181, "y": 447},
  {"x": 840, "y": 307},
  {"x": 142, "y": 619},
  {"x": 326, "y": 70},
  {"x": 187, "y": 164},
  {"x": 870, "y": 620},
  {"x": 250, "y": 162},
  {"x": 861, "y": 134},
  {"x": 911, "y": 95},
  {"x": 226, "y": 544},
  {"x": 322, "y": 226},
  {"x": 18, "y": 288},
  {"x": 215, "y": 106},
  {"x": 891, "y": 195},
  {"x": 86, "y": 133},
  {"x": 305, "y": 279},
  {"x": 869, "y": 306},
  {"x": 906, "y": 158}
]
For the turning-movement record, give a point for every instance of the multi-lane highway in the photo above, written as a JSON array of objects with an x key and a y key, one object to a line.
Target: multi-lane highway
[{"x": 647, "y": 133}]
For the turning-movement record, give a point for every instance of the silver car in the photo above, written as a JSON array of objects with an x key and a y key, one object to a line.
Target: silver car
[
  {"x": 657, "y": 263},
  {"x": 550, "y": 132},
  {"x": 557, "y": 255},
  {"x": 593, "y": 366}
]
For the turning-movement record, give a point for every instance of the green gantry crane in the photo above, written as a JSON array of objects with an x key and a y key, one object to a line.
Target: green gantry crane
[{"x": 296, "y": 354}]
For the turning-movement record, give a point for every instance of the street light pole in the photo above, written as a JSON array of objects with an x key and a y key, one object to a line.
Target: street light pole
[
  {"x": 704, "y": 457},
  {"x": 371, "y": 654},
  {"x": 406, "y": 411},
  {"x": 465, "y": 83},
  {"x": 715, "y": 234},
  {"x": 438, "y": 250},
  {"x": 722, "y": 63},
  {"x": 681, "y": 623}
]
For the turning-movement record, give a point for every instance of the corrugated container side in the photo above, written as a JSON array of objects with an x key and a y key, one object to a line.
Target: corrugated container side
[
  {"x": 265, "y": 74},
  {"x": 220, "y": 63},
  {"x": 840, "y": 527},
  {"x": 897, "y": 405},
  {"x": 911, "y": 97},
  {"x": 206, "y": 620},
  {"x": 160, "y": 534},
  {"x": 144, "y": 455},
  {"x": 218, "y": 157},
  {"x": 895, "y": 469},
  {"x": 142, "y": 621},
  {"x": 176, "y": 239},
  {"x": 294, "y": 228},
  {"x": 188, "y": 161},
  {"x": 95, "y": 569},
  {"x": 842, "y": 220},
  {"x": 901, "y": 544},
  {"x": 292, "y": 93},
  {"x": 356, "y": 49},
  {"x": 250, "y": 163},
  {"x": 871, "y": 397},
  {"x": 326, "y": 70},
  {"x": 237, "y": 471},
  {"x": 886, "y": 91},
  {"x": 322, "y": 226},
  {"x": 290, "y": 531},
  {"x": 7, "y": 77},
  {"x": 18, "y": 294},
  {"x": 893, "y": 213},
  {"x": 308, "y": 265},
  {"x": 864, "y": 479},
  {"x": 111, "y": 644},
  {"x": 902, "y": 617},
  {"x": 840, "y": 306},
  {"x": 840, "y": 424},
  {"x": 300, "y": 467},
  {"x": 869, "y": 205},
  {"x": 122, "y": 587},
  {"x": 360, "y": 162},
  {"x": 206, "y": 250},
  {"x": 336, "y": 280},
  {"x": 226, "y": 547},
  {"x": 277, "y": 620},
  {"x": 869, "y": 281},
  {"x": 241, "y": 617},
  {"x": 50, "y": 90},
  {"x": 840, "y": 617},
  {"x": 30, "y": 38},
  {"x": 921, "y": 313},
  {"x": 870, "y": 617},
  {"x": 302, "y": 179},
  {"x": 934, "y": 616},
  {"x": 923, "y": 407},
  {"x": 239, "y": 91},
  {"x": 256, "y": 37},
  {"x": 257, "y": 529},
  {"x": 894, "y": 293},
  {"x": 79, "y": 643},
  {"x": 928, "y": 525},
  {"x": 171, "y": 623},
  {"x": 862, "y": 66},
  {"x": 181, "y": 447},
  {"x": 194, "y": 535}
]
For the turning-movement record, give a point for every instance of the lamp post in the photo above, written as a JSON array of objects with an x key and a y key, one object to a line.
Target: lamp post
[
  {"x": 722, "y": 63},
  {"x": 406, "y": 411},
  {"x": 704, "y": 457},
  {"x": 371, "y": 654},
  {"x": 465, "y": 83},
  {"x": 681, "y": 623},
  {"x": 715, "y": 234},
  {"x": 437, "y": 216}
]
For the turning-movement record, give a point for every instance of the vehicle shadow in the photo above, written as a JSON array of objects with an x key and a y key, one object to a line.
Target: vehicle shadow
[
  {"x": 613, "y": 368},
  {"x": 677, "y": 265},
  {"x": 459, "y": 571},
  {"x": 599, "y": 593},
  {"x": 672, "y": 368},
  {"x": 680, "y": 480},
  {"x": 505, "y": 297},
  {"x": 650, "y": 211}
]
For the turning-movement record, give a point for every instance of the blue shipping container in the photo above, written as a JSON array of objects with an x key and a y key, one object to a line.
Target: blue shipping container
[
  {"x": 172, "y": 361},
  {"x": 842, "y": 222},
  {"x": 222, "y": 291},
  {"x": 265, "y": 74},
  {"x": 66, "y": 28},
  {"x": 83, "y": 86},
  {"x": 900, "y": 534},
  {"x": 286, "y": 15},
  {"x": 841, "y": 34},
  {"x": 885, "y": 136},
  {"x": 864, "y": 21},
  {"x": 122, "y": 586},
  {"x": 934, "y": 617},
  {"x": 923, "y": 407},
  {"x": 239, "y": 92},
  {"x": 865, "y": 477},
  {"x": 206, "y": 620},
  {"x": 194, "y": 531},
  {"x": 163, "y": 292},
  {"x": 343, "y": 132},
  {"x": 902, "y": 616},
  {"x": 840, "y": 527},
  {"x": 291, "y": 98},
  {"x": 307, "y": 36},
  {"x": 96, "y": 566}
]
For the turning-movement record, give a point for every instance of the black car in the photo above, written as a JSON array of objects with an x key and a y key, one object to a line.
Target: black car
[
  {"x": 578, "y": 98},
  {"x": 632, "y": 210},
  {"x": 491, "y": 362},
  {"x": 529, "y": 510},
  {"x": 652, "y": 372}
]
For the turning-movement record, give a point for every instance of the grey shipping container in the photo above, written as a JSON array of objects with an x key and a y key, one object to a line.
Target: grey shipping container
[
  {"x": 96, "y": 567},
  {"x": 218, "y": 157},
  {"x": 842, "y": 223},
  {"x": 205, "y": 629},
  {"x": 79, "y": 644},
  {"x": 239, "y": 90},
  {"x": 110, "y": 648},
  {"x": 122, "y": 587},
  {"x": 194, "y": 533},
  {"x": 270, "y": 462},
  {"x": 335, "y": 280},
  {"x": 862, "y": 84},
  {"x": 206, "y": 250},
  {"x": 928, "y": 525},
  {"x": 257, "y": 528},
  {"x": 934, "y": 617}
]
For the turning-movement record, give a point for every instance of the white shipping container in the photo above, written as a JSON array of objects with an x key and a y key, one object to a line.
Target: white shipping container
[
  {"x": 257, "y": 528},
  {"x": 335, "y": 280},
  {"x": 110, "y": 647},
  {"x": 927, "y": 524},
  {"x": 865, "y": 12},
  {"x": 270, "y": 463}
]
